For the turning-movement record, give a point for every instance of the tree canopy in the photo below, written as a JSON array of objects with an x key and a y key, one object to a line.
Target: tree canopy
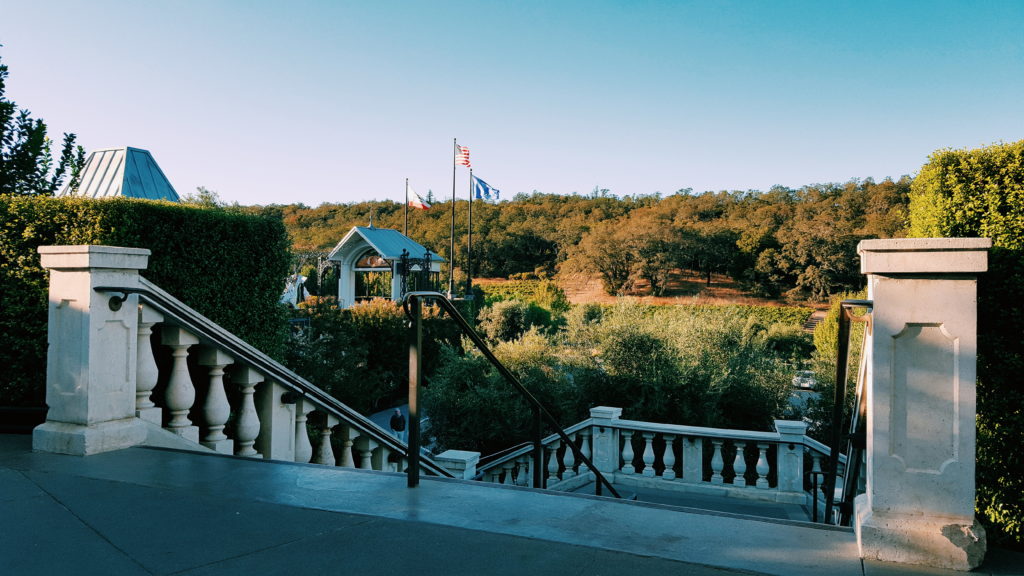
[
  {"x": 26, "y": 163},
  {"x": 800, "y": 242}
]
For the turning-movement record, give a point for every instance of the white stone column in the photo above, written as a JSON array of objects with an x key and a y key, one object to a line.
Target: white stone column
[
  {"x": 180, "y": 394},
  {"x": 789, "y": 457},
  {"x": 303, "y": 447},
  {"x": 146, "y": 373},
  {"x": 216, "y": 409},
  {"x": 605, "y": 439},
  {"x": 324, "y": 453},
  {"x": 276, "y": 439},
  {"x": 919, "y": 504},
  {"x": 247, "y": 421},
  {"x": 91, "y": 360}
]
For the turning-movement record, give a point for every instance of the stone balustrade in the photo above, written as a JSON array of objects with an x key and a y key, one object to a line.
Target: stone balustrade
[
  {"x": 141, "y": 367},
  {"x": 773, "y": 466}
]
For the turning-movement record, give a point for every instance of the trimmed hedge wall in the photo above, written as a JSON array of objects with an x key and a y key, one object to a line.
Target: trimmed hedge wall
[
  {"x": 227, "y": 265},
  {"x": 964, "y": 193}
]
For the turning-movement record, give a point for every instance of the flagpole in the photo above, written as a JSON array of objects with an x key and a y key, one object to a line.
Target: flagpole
[
  {"x": 406, "y": 230},
  {"x": 469, "y": 243},
  {"x": 451, "y": 252}
]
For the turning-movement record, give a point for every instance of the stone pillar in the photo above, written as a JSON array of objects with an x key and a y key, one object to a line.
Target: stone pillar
[
  {"x": 605, "y": 439},
  {"x": 276, "y": 439},
  {"x": 789, "y": 456},
  {"x": 461, "y": 463},
  {"x": 92, "y": 355},
  {"x": 919, "y": 503}
]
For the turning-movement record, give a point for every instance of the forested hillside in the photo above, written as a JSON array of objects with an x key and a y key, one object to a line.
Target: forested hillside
[{"x": 784, "y": 242}]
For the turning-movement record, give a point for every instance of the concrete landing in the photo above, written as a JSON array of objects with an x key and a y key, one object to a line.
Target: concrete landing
[{"x": 152, "y": 511}]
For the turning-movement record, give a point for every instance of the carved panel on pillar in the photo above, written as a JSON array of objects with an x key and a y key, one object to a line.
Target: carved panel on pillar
[{"x": 925, "y": 378}]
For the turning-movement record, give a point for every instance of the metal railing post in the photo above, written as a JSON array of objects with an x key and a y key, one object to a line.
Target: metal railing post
[
  {"x": 838, "y": 409},
  {"x": 415, "y": 370},
  {"x": 538, "y": 449},
  {"x": 413, "y": 298}
]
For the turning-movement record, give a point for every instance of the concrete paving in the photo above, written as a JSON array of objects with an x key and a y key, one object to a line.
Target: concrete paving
[{"x": 152, "y": 511}]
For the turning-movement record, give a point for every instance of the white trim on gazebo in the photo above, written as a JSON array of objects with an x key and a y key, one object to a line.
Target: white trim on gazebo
[{"x": 389, "y": 245}]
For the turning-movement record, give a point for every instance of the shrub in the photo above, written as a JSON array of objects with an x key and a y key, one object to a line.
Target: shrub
[
  {"x": 226, "y": 265},
  {"x": 510, "y": 319},
  {"x": 963, "y": 193}
]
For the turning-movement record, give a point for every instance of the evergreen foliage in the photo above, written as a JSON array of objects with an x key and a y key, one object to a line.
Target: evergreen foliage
[
  {"x": 226, "y": 265},
  {"x": 980, "y": 192},
  {"x": 26, "y": 163}
]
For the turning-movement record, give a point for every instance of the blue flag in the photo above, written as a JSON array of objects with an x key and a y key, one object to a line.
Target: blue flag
[{"x": 483, "y": 191}]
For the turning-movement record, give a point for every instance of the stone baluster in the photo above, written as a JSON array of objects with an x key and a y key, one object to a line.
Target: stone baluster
[
  {"x": 365, "y": 446},
  {"x": 348, "y": 436},
  {"x": 146, "y": 372},
  {"x": 717, "y": 463},
  {"x": 762, "y": 466},
  {"x": 303, "y": 449},
  {"x": 585, "y": 450},
  {"x": 324, "y": 452},
  {"x": 507, "y": 468},
  {"x": 401, "y": 465},
  {"x": 494, "y": 476},
  {"x": 553, "y": 462},
  {"x": 247, "y": 425},
  {"x": 216, "y": 409},
  {"x": 522, "y": 471},
  {"x": 180, "y": 394},
  {"x": 668, "y": 458},
  {"x": 627, "y": 452},
  {"x": 739, "y": 464},
  {"x": 648, "y": 456},
  {"x": 569, "y": 458}
]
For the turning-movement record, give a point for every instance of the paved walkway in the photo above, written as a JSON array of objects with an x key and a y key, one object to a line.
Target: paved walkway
[{"x": 150, "y": 511}]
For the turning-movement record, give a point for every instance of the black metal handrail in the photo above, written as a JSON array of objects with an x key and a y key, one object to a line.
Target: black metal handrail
[
  {"x": 412, "y": 303},
  {"x": 209, "y": 331},
  {"x": 842, "y": 359}
]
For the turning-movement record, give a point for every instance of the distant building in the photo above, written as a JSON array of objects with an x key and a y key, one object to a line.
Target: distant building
[
  {"x": 128, "y": 172},
  {"x": 369, "y": 262}
]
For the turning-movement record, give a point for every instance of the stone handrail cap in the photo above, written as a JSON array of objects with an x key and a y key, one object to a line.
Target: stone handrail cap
[
  {"x": 81, "y": 257},
  {"x": 924, "y": 255}
]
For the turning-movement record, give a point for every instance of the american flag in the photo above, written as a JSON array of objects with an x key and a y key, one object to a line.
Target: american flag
[{"x": 461, "y": 156}]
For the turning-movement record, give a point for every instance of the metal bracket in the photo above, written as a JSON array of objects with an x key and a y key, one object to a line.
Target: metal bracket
[{"x": 116, "y": 302}]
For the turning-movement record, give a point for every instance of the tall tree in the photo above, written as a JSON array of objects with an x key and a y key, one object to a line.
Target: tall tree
[{"x": 26, "y": 163}]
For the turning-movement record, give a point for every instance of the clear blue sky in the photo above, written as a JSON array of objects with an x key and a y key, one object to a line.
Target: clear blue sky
[{"x": 304, "y": 101}]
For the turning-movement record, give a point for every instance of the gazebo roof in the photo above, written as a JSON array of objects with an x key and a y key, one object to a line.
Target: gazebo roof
[
  {"x": 126, "y": 171},
  {"x": 388, "y": 243}
]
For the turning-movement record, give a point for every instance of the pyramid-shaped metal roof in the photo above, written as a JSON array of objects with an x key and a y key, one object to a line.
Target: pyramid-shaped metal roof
[
  {"x": 129, "y": 172},
  {"x": 388, "y": 243}
]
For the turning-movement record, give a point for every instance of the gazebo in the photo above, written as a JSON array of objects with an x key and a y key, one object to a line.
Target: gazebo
[{"x": 371, "y": 265}]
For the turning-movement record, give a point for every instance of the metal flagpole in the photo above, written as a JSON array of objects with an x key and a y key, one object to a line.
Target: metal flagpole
[
  {"x": 451, "y": 252},
  {"x": 469, "y": 243},
  {"x": 406, "y": 230}
]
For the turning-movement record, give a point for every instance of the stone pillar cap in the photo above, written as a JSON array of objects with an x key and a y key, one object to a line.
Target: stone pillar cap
[
  {"x": 609, "y": 412},
  {"x": 82, "y": 257},
  {"x": 924, "y": 255}
]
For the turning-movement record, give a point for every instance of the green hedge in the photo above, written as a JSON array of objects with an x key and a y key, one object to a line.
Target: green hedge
[
  {"x": 227, "y": 265},
  {"x": 965, "y": 193}
]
